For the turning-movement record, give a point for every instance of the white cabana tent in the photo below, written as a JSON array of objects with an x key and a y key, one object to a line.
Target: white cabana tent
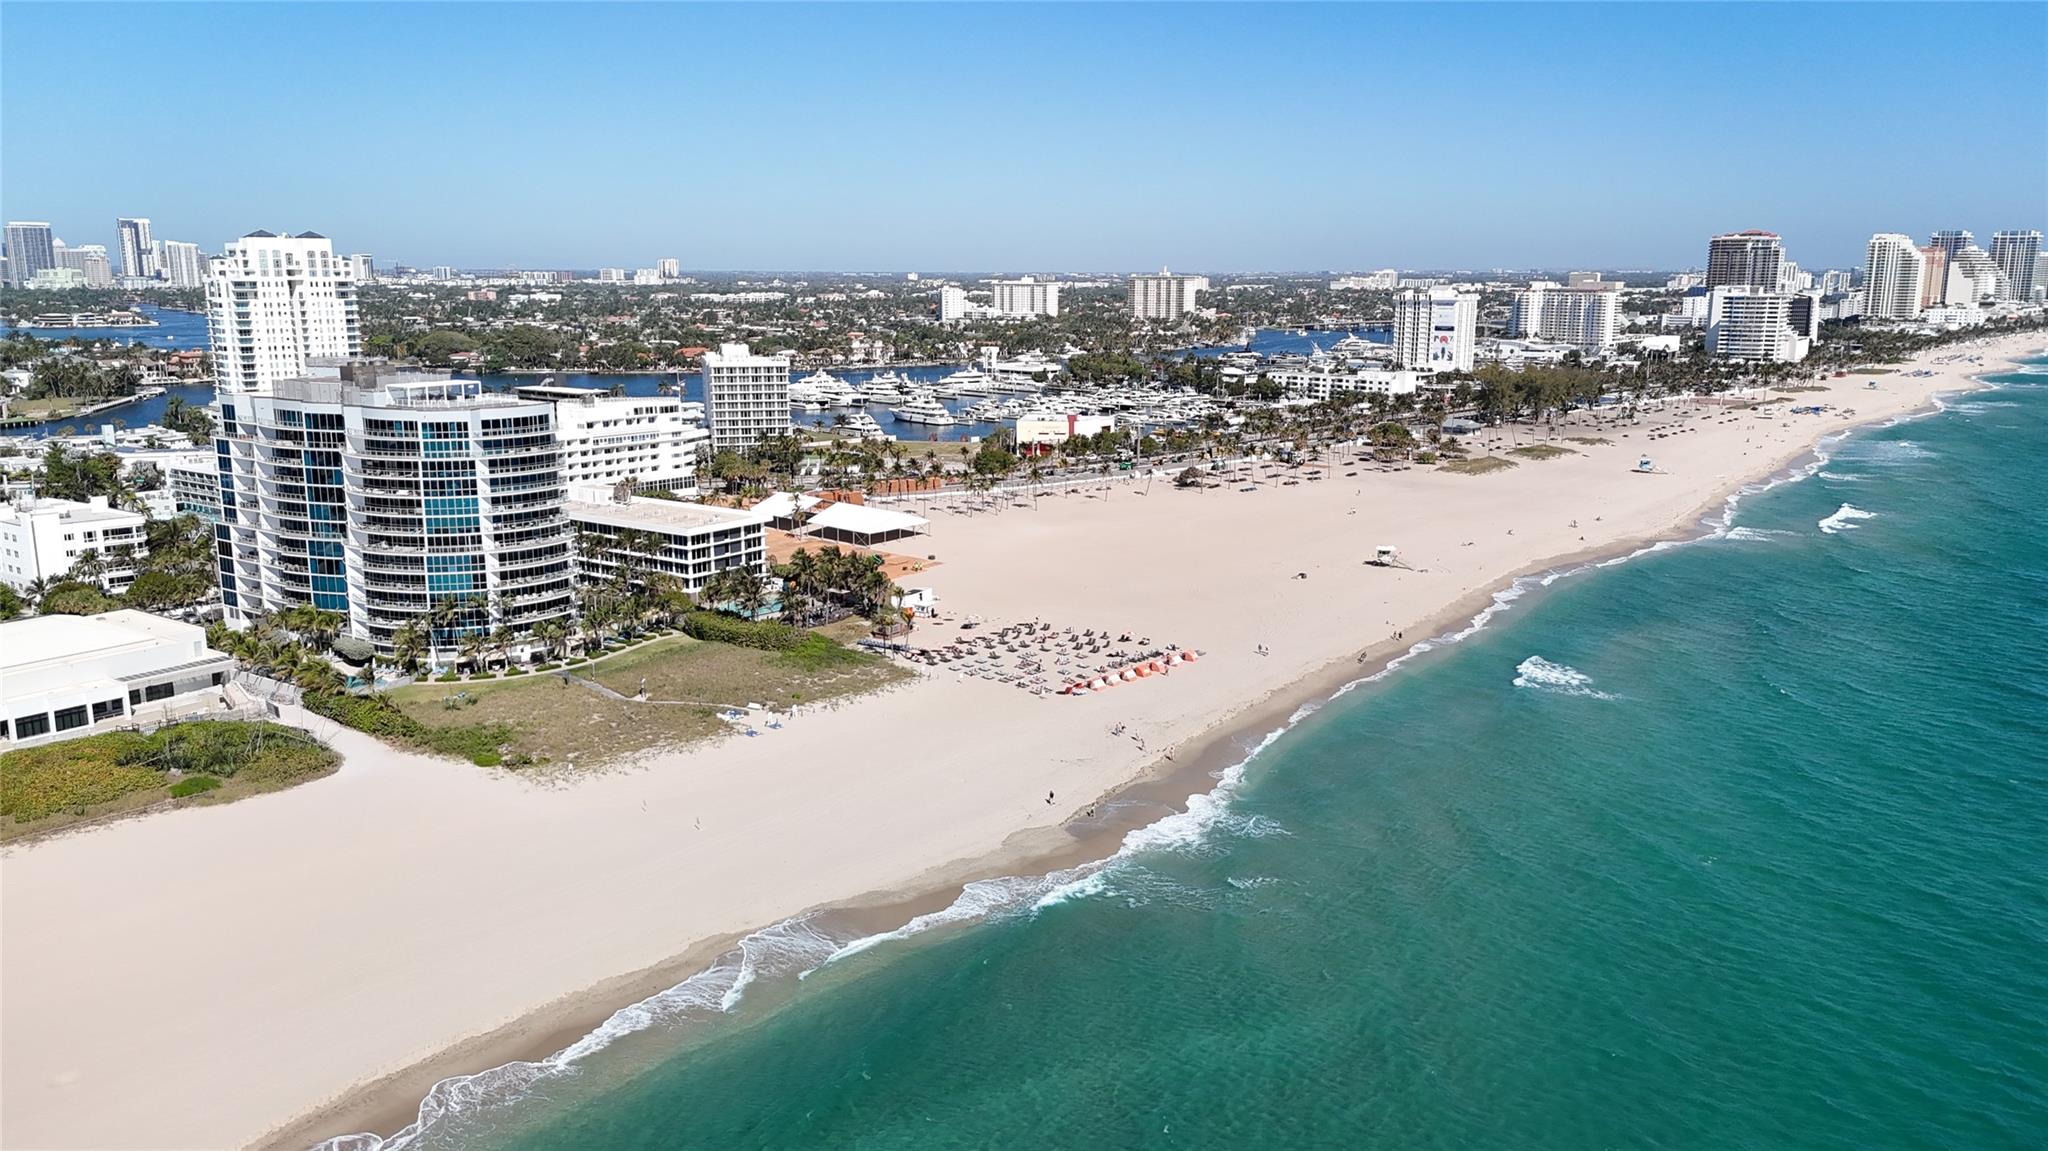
[
  {"x": 860, "y": 524},
  {"x": 782, "y": 508}
]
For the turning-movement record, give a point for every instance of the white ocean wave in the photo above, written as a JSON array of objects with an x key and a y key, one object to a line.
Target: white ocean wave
[
  {"x": 1842, "y": 477},
  {"x": 1844, "y": 519},
  {"x": 1885, "y": 453},
  {"x": 1747, "y": 534},
  {"x": 1539, "y": 674}
]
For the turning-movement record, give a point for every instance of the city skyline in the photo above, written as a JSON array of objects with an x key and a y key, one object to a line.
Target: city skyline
[{"x": 878, "y": 140}]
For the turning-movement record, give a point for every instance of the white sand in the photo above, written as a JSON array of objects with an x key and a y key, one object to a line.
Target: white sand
[{"x": 198, "y": 978}]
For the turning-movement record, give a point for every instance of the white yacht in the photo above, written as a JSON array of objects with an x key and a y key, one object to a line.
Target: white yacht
[
  {"x": 885, "y": 386},
  {"x": 922, "y": 409},
  {"x": 863, "y": 425},
  {"x": 968, "y": 382}
]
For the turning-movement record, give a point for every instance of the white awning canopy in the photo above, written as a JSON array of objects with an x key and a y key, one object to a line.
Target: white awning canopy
[{"x": 857, "y": 521}]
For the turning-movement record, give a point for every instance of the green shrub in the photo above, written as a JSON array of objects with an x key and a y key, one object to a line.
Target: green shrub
[
  {"x": 515, "y": 671},
  {"x": 193, "y": 785},
  {"x": 375, "y": 715},
  {"x": 78, "y": 774},
  {"x": 763, "y": 635},
  {"x": 448, "y": 677}
]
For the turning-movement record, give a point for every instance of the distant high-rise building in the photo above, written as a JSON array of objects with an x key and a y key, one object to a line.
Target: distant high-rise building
[
  {"x": 1585, "y": 314},
  {"x": 443, "y": 272},
  {"x": 672, "y": 269},
  {"x": 746, "y": 396},
  {"x": 1836, "y": 282},
  {"x": 1893, "y": 273},
  {"x": 275, "y": 303},
  {"x": 364, "y": 265},
  {"x": 1434, "y": 329},
  {"x": 30, "y": 249},
  {"x": 182, "y": 264},
  {"x": 1383, "y": 280},
  {"x": 1027, "y": 297},
  {"x": 611, "y": 275},
  {"x": 90, "y": 259},
  {"x": 2015, "y": 253},
  {"x": 1933, "y": 275},
  {"x": 954, "y": 304},
  {"x": 1744, "y": 259},
  {"x": 1165, "y": 296},
  {"x": 138, "y": 251},
  {"x": 1973, "y": 277},
  {"x": 1953, "y": 240}
]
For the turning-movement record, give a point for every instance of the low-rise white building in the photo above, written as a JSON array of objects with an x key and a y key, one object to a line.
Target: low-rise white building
[
  {"x": 651, "y": 440},
  {"x": 42, "y": 539},
  {"x": 1322, "y": 383},
  {"x": 63, "y": 676},
  {"x": 687, "y": 541}
]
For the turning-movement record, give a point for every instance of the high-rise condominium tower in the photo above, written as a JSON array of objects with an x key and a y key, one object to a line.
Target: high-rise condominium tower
[
  {"x": 1745, "y": 260},
  {"x": 1892, "y": 276},
  {"x": 138, "y": 251},
  {"x": 2014, "y": 253},
  {"x": 276, "y": 303}
]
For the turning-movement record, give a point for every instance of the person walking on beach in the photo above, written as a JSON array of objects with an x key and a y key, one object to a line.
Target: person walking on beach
[{"x": 1048, "y": 798}]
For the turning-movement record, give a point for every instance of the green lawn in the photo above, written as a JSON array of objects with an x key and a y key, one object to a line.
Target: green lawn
[
  {"x": 560, "y": 723},
  {"x": 57, "y": 784}
]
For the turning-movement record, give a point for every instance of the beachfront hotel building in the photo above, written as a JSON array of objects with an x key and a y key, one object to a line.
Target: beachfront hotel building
[
  {"x": 1165, "y": 297},
  {"x": 1434, "y": 329},
  {"x": 392, "y": 496},
  {"x": 651, "y": 441},
  {"x": 1321, "y": 383},
  {"x": 274, "y": 305},
  {"x": 1759, "y": 326},
  {"x": 40, "y": 539},
  {"x": 1893, "y": 272},
  {"x": 193, "y": 480},
  {"x": 1026, "y": 298},
  {"x": 688, "y": 542},
  {"x": 1585, "y": 314},
  {"x": 64, "y": 676},
  {"x": 31, "y": 248},
  {"x": 1745, "y": 260},
  {"x": 2015, "y": 254},
  {"x": 746, "y": 396}
]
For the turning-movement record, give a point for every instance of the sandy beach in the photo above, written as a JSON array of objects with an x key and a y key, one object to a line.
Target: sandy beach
[{"x": 306, "y": 964}]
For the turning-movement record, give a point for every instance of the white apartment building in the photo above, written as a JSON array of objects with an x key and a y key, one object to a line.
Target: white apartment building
[
  {"x": 691, "y": 541},
  {"x": 1836, "y": 282},
  {"x": 193, "y": 480},
  {"x": 1384, "y": 280},
  {"x": 2016, "y": 253},
  {"x": 644, "y": 277},
  {"x": 1165, "y": 297},
  {"x": 393, "y": 497},
  {"x": 41, "y": 538},
  {"x": 1322, "y": 383},
  {"x": 746, "y": 396},
  {"x": 1748, "y": 324},
  {"x": 954, "y": 304},
  {"x": 1974, "y": 277},
  {"x": 1586, "y": 315},
  {"x": 669, "y": 269},
  {"x": 182, "y": 264},
  {"x": 138, "y": 250},
  {"x": 611, "y": 275},
  {"x": 63, "y": 676},
  {"x": 1434, "y": 329},
  {"x": 1892, "y": 274},
  {"x": 364, "y": 265},
  {"x": 89, "y": 259},
  {"x": 274, "y": 305},
  {"x": 651, "y": 440},
  {"x": 1026, "y": 297},
  {"x": 31, "y": 248}
]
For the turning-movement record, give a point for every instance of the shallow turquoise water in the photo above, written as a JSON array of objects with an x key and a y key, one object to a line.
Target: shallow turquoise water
[{"x": 1756, "y": 856}]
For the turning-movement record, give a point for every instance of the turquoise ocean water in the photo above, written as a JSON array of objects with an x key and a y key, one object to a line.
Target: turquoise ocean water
[{"x": 1736, "y": 844}]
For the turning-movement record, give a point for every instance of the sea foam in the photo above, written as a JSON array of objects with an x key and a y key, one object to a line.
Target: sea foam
[
  {"x": 1539, "y": 674},
  {"x": 1844, "y": 519}
]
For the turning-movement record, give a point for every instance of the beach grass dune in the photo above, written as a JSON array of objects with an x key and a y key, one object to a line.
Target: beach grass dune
[{"x": 352, "y": 939}]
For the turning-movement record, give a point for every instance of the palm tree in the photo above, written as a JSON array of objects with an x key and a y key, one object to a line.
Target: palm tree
[
  {"x": 550, "y": 634},
  {"x": 409, "y": 643},
  {"x": 471, "y": 649},
  {"x": 89, "y": 567}
]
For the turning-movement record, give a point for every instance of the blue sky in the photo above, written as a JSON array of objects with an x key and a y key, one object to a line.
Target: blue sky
[{"x": 1058, "y": 137}]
